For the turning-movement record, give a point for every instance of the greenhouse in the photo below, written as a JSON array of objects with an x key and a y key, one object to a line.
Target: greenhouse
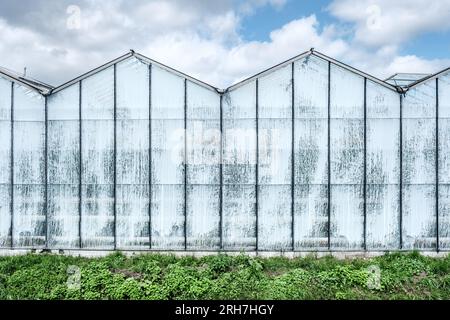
[{"x": 309, "y": 155}]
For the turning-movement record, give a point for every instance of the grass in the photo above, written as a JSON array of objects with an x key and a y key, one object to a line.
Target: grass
[{"x": 156, "y": 276}]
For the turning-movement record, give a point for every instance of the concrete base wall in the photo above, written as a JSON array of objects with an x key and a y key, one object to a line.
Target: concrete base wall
[{"x": 264, "y": 254}]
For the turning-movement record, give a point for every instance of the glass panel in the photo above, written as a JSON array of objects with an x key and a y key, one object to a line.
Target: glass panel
[
  {"x": 239, "y": 151},
  {"x": 167, "y": 151},
  {"x": 202, "y": 224},
  {"x": 63, "y": 216},
  {"x": 239, "y": 219},
  {"x": 275, "y": 94},
  {"x": 5, "y": 99},
  {"x": 132, "y": 152},
  {"x": 98, "y": 96},
  {"x": 5, "y": 151},
  {"x": 5, "y": 215},
  {"x": 274, "y": 217},
  {"x": 167, "y": 95},
  {"x": 383, "y": 168},
  {"x": 168, "y": 217},
  {"x": 311, "y": 154},
  {"x": 29, "y": 217},
  {"x": 97, "y": 151},
  {"x": 347, "y": 159},
  {"x": 419, "y": 142},
  {"x": 132, "y": 85},
  {"x": 311, "y": 220},
  {"x": 63, "y": 152},
  {"x": 132, "y": 217},
  {"x": 383, "y": 219},
  {"x": 240, "y": 103},
  {"x": 97, "y": 216},
  {"x": 28, "y": 104},
  {"x": 64, "y": 104}
]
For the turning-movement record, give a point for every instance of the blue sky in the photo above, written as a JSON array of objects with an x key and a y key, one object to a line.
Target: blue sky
[{"x": 224, "y": 41}]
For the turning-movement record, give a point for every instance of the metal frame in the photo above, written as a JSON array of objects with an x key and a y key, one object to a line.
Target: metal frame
[
  {"x": 185, "y": 164},
  {"x": 46, "y": 170},
  {"x": 401, "y": 175},
  {"x": 11, "y": 229},
  {"x": 115, "y": 159},
  {"x": 329, "y": 156},
  {"x": 293, "y": 157},
  {"x": 365, "y": 169},
  {"x": 80, "y": 162},
  {"x": 437, "y": 164},
  {"x": 257, "y": 164},
  {"x": 150, "y": 161},
  {"x": 221, "y": 176}
]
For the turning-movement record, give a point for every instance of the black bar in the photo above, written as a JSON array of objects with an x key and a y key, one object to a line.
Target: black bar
[
  {"x": 115, "y": 159},
  {"x": 150, "y": 155},
  {"x": 257, "y": 165},
  {"x": 437, "y": 165},
  {"x": 80, "y": 165},
  {"x": 46, "y": 170},
  {"x": 401, "y": 173},
  {"x": 185, "y": 164},
  {"x": 329, "y": 157},
  {"x": 220, "y": 175},
  {"x": 365, "y": 168},
  {"x": 292, "y": 157},
  {"x": 12, "y": 167}
]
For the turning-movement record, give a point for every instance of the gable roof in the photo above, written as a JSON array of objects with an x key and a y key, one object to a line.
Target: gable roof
[
  {"x": 33, "y": 84},
  {"x": 46, "y": 89}
]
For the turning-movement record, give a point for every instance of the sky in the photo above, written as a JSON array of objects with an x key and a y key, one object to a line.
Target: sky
[{"x": 222, "y": 42}]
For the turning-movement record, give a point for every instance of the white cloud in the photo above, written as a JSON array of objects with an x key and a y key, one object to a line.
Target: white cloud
[
  {"x": 387, "y": 22},
  {"x": 203, "y": 39}
]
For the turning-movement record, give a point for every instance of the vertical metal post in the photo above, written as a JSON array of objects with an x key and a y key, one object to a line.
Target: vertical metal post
[
  {"x": 257, "y": 166},
  {"x": 150, "y": 155},
  {"x": 46, "y": 169},
  {"x": 220, "y": 175},
  {"x": 365, "y": 168},
  {"x": 185, "y": 164},
  {"x": 115, "y": 160},
  {"x": 329, "y": 157},
  {"x": 11, "y": 233},
  {"x": 437, "y": 164},
  {"x": 80, "y": 164},
  {"x": 292, "y": 158},
  {"x": 401, "y": 174}
]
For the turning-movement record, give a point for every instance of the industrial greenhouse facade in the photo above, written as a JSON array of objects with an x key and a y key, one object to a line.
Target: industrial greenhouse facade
[{"x": 310, "y": 155}]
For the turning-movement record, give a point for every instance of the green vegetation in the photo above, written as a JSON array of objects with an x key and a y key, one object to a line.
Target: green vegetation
[{"x": 155, "y": 276}]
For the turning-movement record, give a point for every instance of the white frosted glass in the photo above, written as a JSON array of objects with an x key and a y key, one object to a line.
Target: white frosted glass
[
  {"x": 347, "y": 220},
  {"x": 275, "y": 94},
  {"x": 274, "y": 217},
  {"x": 239, "y": 219},
  {"x": 5, "y": 215},
  {"x": 132, "y": 225},
  {"x": 240, "y": 103},
  {"x": 167, "y": 217},
  {"x": 419, "y": 217},
  {"x": 420, "y": 102},
  {"x": 311, "y": 217},
  {"x": 63, "y": 216},
  {"x": 64, "y": 104},
  {"x": 202, "y": 103},
  {"x": 97, "y": 151},
  {"x": 97, "y": 101},
  {"x": 132, "y": 156},
  {"x": 203, "y": 151},
  {"x": 202, "y": 223},
  {"x": 383, "y": 217},
  {"x": 132, "y": 85},
  {"x": 5, "y": 151},
  {"x": 29, "y": 158},
  {"x": 63, "y": 152},
  {"x": 97, "y": 216},
  {"x": 167, "y": 95},
  {"x": 167, "y": 151},
  {"x": 5, "y": 99},
  {"x": 346, "y": 94},
  {"x": 29, "y": 216},
  {"x": 239, "y": 151},
  {"x": 311, "y": 88},
  {"x": 28, "y": 104}
]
